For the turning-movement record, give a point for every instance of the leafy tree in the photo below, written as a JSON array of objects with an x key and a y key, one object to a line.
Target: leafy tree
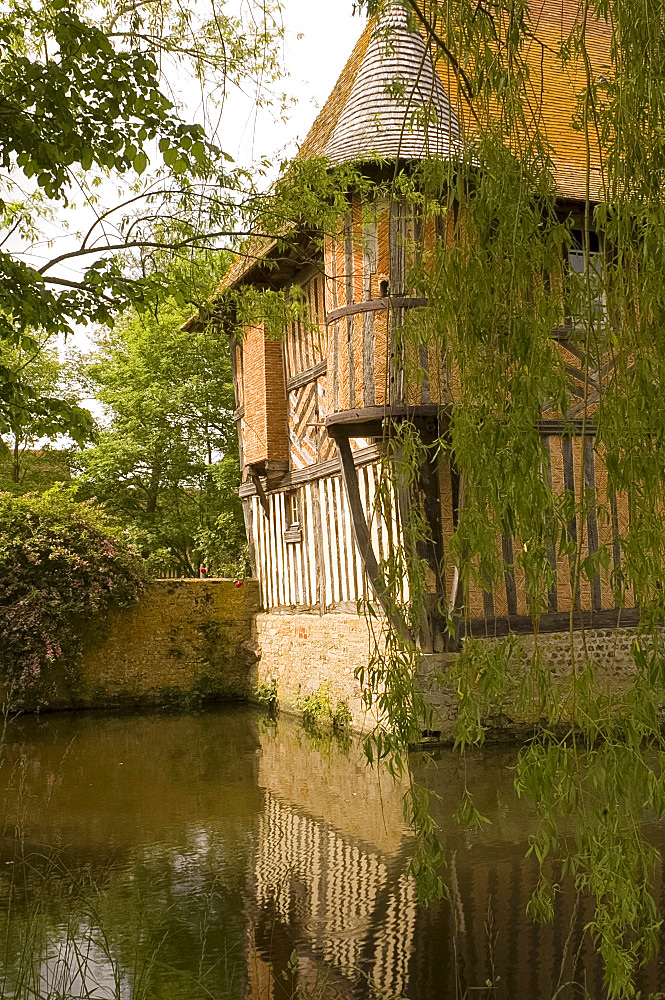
[
  {"x": 166, "y": 463},
  {"x": 25, "y": 422},
  {"x": 89, "y": 124}
]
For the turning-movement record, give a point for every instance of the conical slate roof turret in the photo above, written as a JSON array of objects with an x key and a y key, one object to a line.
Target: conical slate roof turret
[{"x": 397, "y": 106}]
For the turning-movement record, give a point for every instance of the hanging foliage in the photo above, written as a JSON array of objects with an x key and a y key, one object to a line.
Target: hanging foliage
[
  {"x": 542, "y": 311},
  {"x": 497, "y": 292}
]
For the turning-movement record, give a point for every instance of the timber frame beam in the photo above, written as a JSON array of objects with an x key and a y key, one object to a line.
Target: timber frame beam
[
  {"x": 367, "y": 423},
  {"x": 362, "y": 533}
]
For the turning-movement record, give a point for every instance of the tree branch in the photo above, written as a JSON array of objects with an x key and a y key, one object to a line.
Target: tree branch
[{"x": 148, "y": 244}]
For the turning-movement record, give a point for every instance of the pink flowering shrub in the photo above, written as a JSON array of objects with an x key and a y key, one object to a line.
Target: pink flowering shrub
[{"x": 62, "y": 566}]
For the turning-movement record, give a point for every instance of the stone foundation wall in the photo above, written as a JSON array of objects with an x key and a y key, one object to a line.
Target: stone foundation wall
[
  {"x": 190, "y": 641},
  {"x": 183, "y": 642},
  {"x": 301, "y": 652}
]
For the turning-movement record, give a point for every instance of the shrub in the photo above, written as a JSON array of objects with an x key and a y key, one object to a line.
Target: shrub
[
  {"x": 266, "y": 694},
  {"x": 320, "y": 707},
  {"x": 62, "y": 566}
]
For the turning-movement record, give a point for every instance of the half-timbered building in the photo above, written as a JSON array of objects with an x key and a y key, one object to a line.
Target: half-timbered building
[{"x": 312, "y": 408}]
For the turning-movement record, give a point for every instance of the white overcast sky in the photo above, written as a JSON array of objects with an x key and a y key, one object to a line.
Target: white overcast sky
[{"x": 329, "y": 31}]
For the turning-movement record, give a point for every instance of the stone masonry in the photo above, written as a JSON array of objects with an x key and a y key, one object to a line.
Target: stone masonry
[{"x": 184, "y": 642}]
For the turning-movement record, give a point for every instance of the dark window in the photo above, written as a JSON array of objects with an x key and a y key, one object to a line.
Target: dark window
[{"x": 578, "y": 289}]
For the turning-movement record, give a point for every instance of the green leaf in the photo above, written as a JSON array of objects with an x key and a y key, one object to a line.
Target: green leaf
[
  {"x": 170, "y": 156},
  {"x": 140, "y": 162}
]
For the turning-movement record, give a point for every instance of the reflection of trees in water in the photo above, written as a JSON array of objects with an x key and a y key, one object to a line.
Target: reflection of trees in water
[{"x": 167, "y": 923}]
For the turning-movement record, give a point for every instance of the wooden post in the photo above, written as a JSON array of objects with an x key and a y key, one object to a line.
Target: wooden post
[
  {"x": 552, "y": 596},
  {"x": 591, "y": 521},
  {"x": 569, "y": 484},
  {"x": 362, "y": 535}
]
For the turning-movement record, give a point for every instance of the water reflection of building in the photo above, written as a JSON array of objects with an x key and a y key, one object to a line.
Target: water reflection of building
[
  {"x": 321, "y": 885},
  {"x": 352, "y": 908}
]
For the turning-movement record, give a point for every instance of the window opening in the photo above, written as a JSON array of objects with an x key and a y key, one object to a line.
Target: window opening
[
  {"x": 293, "y": 530},
  {"x": 292, "y": 509},
  {"x": 577, "y": 304}
]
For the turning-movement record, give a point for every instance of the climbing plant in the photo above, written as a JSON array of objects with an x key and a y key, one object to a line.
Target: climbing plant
[{"x": 63, "y": 566}]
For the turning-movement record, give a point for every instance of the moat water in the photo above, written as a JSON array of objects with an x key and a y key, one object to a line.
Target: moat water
[{"x": 216, "y": 855}]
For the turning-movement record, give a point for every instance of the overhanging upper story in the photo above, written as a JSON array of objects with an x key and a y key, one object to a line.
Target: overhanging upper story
[{"x": 342, "y": 356}]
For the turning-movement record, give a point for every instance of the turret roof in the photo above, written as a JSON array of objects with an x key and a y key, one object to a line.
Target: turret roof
[
  {"x": 553, "y": 92},
  {"x": 362, "y": 118},
  {"x": 397, "y": 106}
]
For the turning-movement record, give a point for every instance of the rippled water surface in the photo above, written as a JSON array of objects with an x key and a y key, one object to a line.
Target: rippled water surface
[{"x": 162, "y": 857}]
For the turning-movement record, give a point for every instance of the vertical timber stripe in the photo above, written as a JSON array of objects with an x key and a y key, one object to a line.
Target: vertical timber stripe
[
  {"x": 341, "y": 540},
  {"x": 265, "y": 554},
  {"x": 569, "y": 485},
  {"x": 348, "y": 284},
  {"x": 332, "y": 528},
  {"x": 352, "y": 577},
  {"x": 337, "y": 554},
  {"x": 260, "y": 569},
  {"x": 333, "y": 347},
  {"x": 508, "y": 560},
  {"x": 591, "y": 522},
  {"x": 273, "y": 551},
  {"x": 335, "y": 374},
  {"x": 370, "y": 266},
  {"x": 299, "y": 596},
  {"x": 552, "y": 599},
  {"x": 325, "y": 535},
  {"x": 278, "y": 532},
  {"x": 311, "y": 549}
]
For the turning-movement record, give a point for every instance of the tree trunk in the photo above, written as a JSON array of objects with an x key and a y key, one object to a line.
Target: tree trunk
[
  {"x": 153, "y": 485},
  {"x": 16, "y": 462}
]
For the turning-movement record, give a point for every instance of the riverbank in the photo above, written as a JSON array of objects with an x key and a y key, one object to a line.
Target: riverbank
[{"x": 193, "y": 642}]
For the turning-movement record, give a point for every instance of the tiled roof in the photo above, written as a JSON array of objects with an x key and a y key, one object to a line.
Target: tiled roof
[
  {"x": 397, "y": 106},
  {"x": 359, "y": 112}
]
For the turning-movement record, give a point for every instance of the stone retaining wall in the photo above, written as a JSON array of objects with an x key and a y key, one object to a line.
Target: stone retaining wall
[
  {"x": 300, "y": 652},
  {"x": 190, "y": 641},
  {"x": 183, "y": 642},
  {"x": 303, "y": 651}
]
